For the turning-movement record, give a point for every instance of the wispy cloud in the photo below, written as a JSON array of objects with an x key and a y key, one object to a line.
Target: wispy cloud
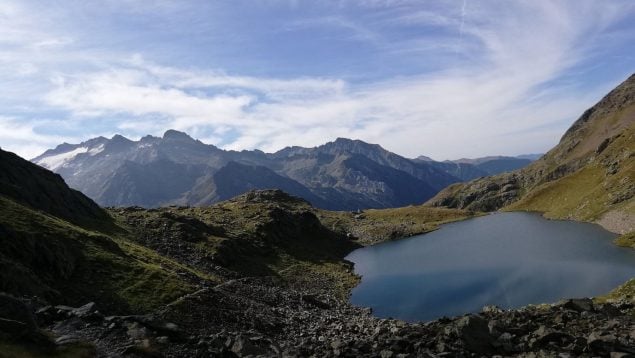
[{"x": 483, "y": 78}]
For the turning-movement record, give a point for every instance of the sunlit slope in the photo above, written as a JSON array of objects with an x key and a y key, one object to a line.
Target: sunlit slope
[{"x": 589, "y": 175}]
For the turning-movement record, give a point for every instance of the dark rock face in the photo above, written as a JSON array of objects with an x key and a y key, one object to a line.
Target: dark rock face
[{"x": 486, "y": 194}]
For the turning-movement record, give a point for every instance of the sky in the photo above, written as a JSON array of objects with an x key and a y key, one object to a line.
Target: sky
[{"x": 446, "y": 78}]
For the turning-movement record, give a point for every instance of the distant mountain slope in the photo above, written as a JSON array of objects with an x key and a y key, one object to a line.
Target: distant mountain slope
[
  {"x": 176, "y": 169},
  {"x": 502, "y": 165},
  {"x": 463, "y": 171},
  {"x": 234, "y": 179},
  {"x": 468, "y": 169},
  {"x": 589, "y": 175}
]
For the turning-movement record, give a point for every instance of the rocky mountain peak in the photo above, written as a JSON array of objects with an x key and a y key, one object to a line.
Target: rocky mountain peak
[
  {"x": 148, "y": 138},
  {"x": 172, "y": 134},
  {"x": 118, "y": 138},
  {"x": 118, "y": 143}
]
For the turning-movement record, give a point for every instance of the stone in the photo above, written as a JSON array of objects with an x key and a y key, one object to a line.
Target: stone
[
  {"x": 84, "y": 310},
  {"x": 474, "y": 331},
  {"x": 67, "y": 339},
  {"x": 491, "y": 309},
  {"x": 621, "y": 355},
  {"x": 314, "y": 301},
  {"x": 610, "y": 310},
  {"x": 137, "y": 331},
  {"x": 543, "y": 336},
  {"x": 243, "y": 347},
  {"x": 598, "y": 342},
  {"x": 386, "y": 354},
  {"x": 579, "y": 304},
  {"x": 504, "y": 342}
]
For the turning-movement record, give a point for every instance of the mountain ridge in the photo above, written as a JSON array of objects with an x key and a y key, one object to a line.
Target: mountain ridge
[{"x": 344, "y": 174}]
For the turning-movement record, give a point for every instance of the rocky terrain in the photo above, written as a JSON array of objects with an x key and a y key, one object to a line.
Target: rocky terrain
[{"x": 261, "y": 317}]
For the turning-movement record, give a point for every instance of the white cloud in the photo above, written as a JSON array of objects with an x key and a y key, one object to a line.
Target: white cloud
[
  {"x": 488, "y": 98},
  {"x": 21, "y": 137}
]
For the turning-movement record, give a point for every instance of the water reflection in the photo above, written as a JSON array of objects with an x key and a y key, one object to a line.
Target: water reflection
[{"x": 506, "y": 259}]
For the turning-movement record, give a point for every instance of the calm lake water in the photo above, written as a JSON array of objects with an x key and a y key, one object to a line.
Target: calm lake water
[{"x": 504, "y": 259}]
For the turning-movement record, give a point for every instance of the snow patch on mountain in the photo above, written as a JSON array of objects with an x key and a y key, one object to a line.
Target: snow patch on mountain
[{"x": 57, "y": 161}]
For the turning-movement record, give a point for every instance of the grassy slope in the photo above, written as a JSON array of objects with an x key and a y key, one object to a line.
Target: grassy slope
[
  {"x": 604, "y": 186},
  {"x": 47, "y": 256},
  {"x": 376, "y": 225},
  {"x": 78, "y": 350}
]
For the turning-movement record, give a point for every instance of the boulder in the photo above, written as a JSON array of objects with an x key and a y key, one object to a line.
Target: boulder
[
  {"x": 244, "y": 347},
  {"x": 544, "y": 336},
  {"x": 599, "y": 342},
  {"x": 579, "y": 304},
  {"x": 474, "y": 332},
  {"x": 84, "y": 310}
]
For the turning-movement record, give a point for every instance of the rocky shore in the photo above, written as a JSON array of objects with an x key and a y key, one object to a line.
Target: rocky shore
[{"x": 266, "y": 318}]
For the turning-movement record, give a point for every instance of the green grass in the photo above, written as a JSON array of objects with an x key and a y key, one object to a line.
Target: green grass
[
  {"x": 589, "y": 192},
  {"x": 580, "y": 195},
  {"x": 626, "y": 240},
  {"x": 625, "y": 291},
  {"x": 377, "y": 225},
  {"x": 16, "y": 350},
  {"x": 68, "y": 264}
]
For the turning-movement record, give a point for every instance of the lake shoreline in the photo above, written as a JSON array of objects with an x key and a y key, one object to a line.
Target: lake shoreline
[{"x": 481, "y": 240}]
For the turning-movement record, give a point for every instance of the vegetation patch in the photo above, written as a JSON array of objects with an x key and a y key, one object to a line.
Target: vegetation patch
[
  {"x": 580, "y": 195},
  {"x": 377, "y": 225},
  {"x": 76, "y": 350},
  {"x": 54, "y": 259},
  {"x": 626, "y": 240}
]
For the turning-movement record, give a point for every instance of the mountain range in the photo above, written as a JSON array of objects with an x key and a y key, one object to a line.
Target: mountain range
[{"x": 178, "y": 170}]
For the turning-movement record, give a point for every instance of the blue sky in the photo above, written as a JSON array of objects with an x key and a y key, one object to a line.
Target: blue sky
[{"x": 446, "y": 79}]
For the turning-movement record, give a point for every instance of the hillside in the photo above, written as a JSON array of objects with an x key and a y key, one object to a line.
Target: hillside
[{"x": 587, "y": 176}]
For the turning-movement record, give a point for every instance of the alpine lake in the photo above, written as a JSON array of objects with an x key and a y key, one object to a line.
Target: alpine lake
[{"x": 504, "y": 259}]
